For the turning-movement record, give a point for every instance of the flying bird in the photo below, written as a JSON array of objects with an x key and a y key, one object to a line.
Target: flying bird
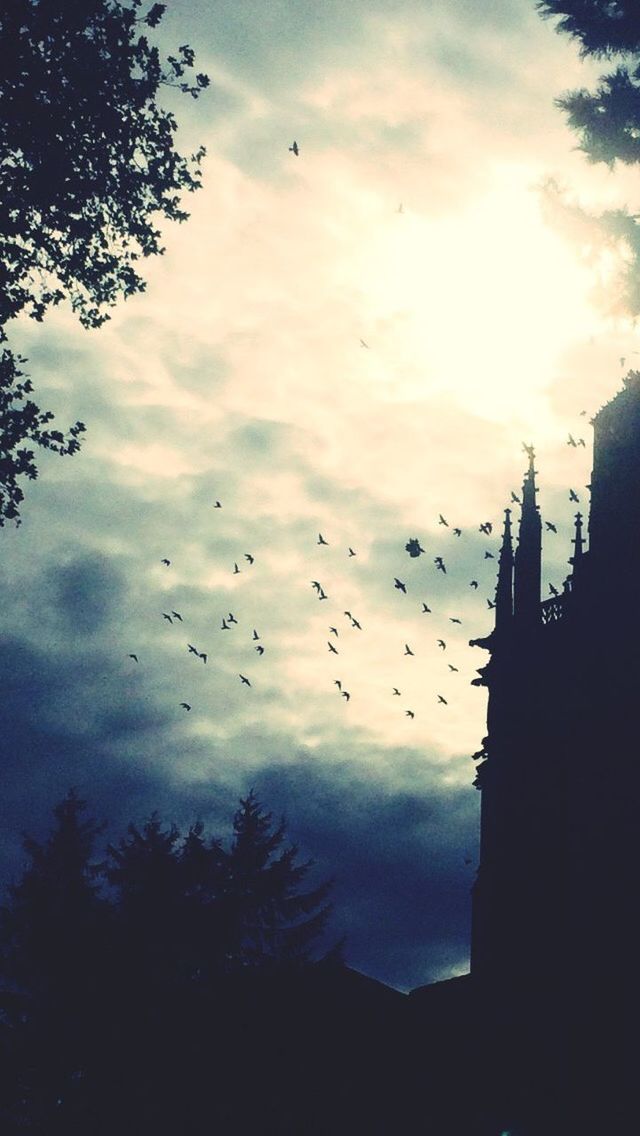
[
  {"x": 255, "y": 634},
  {"x": 443, "y": 700},
  {"x": 363, "y": 344},
  {"x": 225, "y": 625},
  {"x": 294, "y": 149},
  {"x": 413, "y": 547},
  {"x": 345, "y": 694},
  {"x": 334, "y": 631},
  {"x": 134, "y": 657},
  {"x": 348, "y": 614},
  {"x": 185, "y": 705},
  {"x": 407, "y": 649},
  {"x": 573, "y": 496},
  {"x": 167, "y": 617},
  {"x": 322, "y": 595},
  {"x": 192, "y": 650},
  {"x": 581, "y": 442},
  {"x": 231, "y": 617},
  {"x": 554, "y": 591},
  {"x": 165, "y": 561},
  {"x": 457, "y": 532},
  {"x": 571, "y": 441},
  {"x": 321, "y": 539},
  {"x": 442, "y": 521},
  {"x": 490, "y": 604},
  {"x": 337, "y": 682},
  {"x": 203, "y": 656},
  {"x": 488, "y": 555},
  {"x": 454, "y": 619},
  {"x": 177, "y": 615},
  {"x": 486, "y": 528},
  {"x": 396, "y": 691},
  {"x": 236, "y": 570},
  {"x": 244, "y": 680},
  {"x": 351, "y": 552},
  {"x": 473, "y": 584},
  {"x": 551, "y": 527},
  {"x": 439, "y": 563},
  {"x": 409, "y": 713},
  {"x": 515, "y": 498},
  {"x": 354, "y": 623},
  {"x": 399, "y": 585},
  {"x": 260, "y": 648},
  {"x": 442, "y": 644},
  {"x": 451, "y": 667},
  {"x": 331, "y": 647},
  {"x": 425, "y": 609},
  {"x": 249, "y": 557},
  {"x": 217, "y": 505},
  {"x": 317, "y": 585}
]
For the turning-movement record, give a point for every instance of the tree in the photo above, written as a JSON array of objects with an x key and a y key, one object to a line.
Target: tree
[
  {"x": 88, "y": 164},
  {"x": 606, "y": 120}
]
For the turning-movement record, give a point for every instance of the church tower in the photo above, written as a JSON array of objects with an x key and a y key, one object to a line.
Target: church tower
[{"x": 556, "y": 901}]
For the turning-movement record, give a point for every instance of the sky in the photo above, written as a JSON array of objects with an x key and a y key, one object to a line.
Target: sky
[{"x": 353, "y": 342}]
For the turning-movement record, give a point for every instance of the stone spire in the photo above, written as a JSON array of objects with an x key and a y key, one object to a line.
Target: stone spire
[
  {"x": 528, "y": 557},
  {"x": 504, "y": 588},
  {"x": 578, "y": 547}
]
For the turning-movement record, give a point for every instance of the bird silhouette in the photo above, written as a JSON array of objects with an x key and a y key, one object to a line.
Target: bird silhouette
[
  {"x": 554, "y": 591},
  {"x": 317, "y": 585},
  {"x": 442, "y": 521},
  {"x": 571, "y": 441},
  {"x": 363, "y": 344},
  {"x": 442, "y": 644},
  {"x": 231, "y": 617},
  {"x": 134, "y": 657},
  {"x": 177, "y": 615},
  {"x": 582, "y": 413},
  {"x": 454, "y": 619},
  {"x": 345, "y": 694},
  {"x": 413, "y": 547},
  {"x": 167, "y": 617},
  {"x": 351, "y": 552},
  {"x": 451, "y": 667},
  {"x": 486, "y": 528},
  {"x": 354, "y": 623},
  {"x": 185, "y": 705},
  {"x": 573, "y": 496},
  {"x": 457, "y": 532},
  {"x": 321, "y": 539},
  {"x": 165, "y": 561},
  {"x": 399, "y": 585},
  {"x": 322, "y": 595},
  {"x": 334, "y": 631},
  {"x": 203, "y": 656},
  {"x": 294, "y": 149},
  {"x": 473, "y": 584},
  {"x": 236, "y": 570},
  {"x": 225, "y": 625},
  {"x": 439, "y": 563},
  {"x": 407, "y": 649},
  {"x": 515, "y": 498},
  {"x": 192, "y": 650},
  {"x": 488, "y": 555},
  {"x": 550, "y": 527},
  {"x": 443, "y": 700},
  {"x": 348, "y": 614},
  {"x": 396, "y": 691},
  {"x": 331, "y": 648},
  {"x": 409, "y": 713},
  {"x": 581, "y": 442},
  {"x": 337, "y": 682},
  {"x": 217, "y": 505},
  {"x": 490, "y": 604},
  {"x": 244, "y": 680},
  {"x": 249, "y": 557},
  {"x": 425, "y": 609},
  {"x": 255, "y": 634},
  {"x": 260, "y": 648}
]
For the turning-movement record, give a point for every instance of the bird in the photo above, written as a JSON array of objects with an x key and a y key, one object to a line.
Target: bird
[
  {"x": 260, "y": 648},
  {"x": 348, "y": 614},
  {"x": 331, "y": 647},
  {"x": 217, "y": 505},
  {"x": 167, "y": 617},
  {"x": 134, "y": 657},
  {"x": 165, "y": 561},
  {"x": 192, "y": 650},
  {"x": 399, "y": 585},
  {"x": 473, "y": 584},
  {"x": 338, "y": 683},
  {"x": 451, "y": 667},
  {"x": 203, "y": 656},
  {"x": 334, "y": 631},
  {"x": 457, "y": 532},
  {"x": 407, "y": 649},
  {"x": 225, "y": 625},
  {"x": 363, "y": 344},
  {"x": 573, "y": 496},
  {"x": 177, "y": 615},
  {"x": 442, "y": 521},
  {"x": 255, "y": 634},
  {"x": 490, "y": 604},
  {"x": 486, "y": 528},
  {"x": 581, "y": 442},
  {"x": 345, "y": 694},
  {"x": 515, "y": 498},
  {"x": 322, "y": 595},
  {"x": 439, "y": 563},
  {"x": 396, "y": 692},
  {"x": 550, "y": 527},
  {"x": 317, "y": 585},
  {"x": 488, "y": 555},
  {"x": 351, "y": 552},
  {"x": 244, "y": 680},
  {"x": 442, "y": 644},
  {"x": 236, "y": 570},
  {"x": 185, "y": 705},
  {"x": 454, "y": 619},
  {"x": 321, "y": 539},
  {"x": 413, "y": 547},
  {"x": 354, "y": 623},
  {"x": 443, "y": 700},
  {"x": 231, "y": 617},
  {"x": 582, "y": 413},
  {"x": 425, "y": 609},
  {"x": 571, "y": 441},
  {"x": 554, "y": 591},
  {"x": 294, "y": 149},
  {"x": 409, "y": 713},
  {"x": 249, "y": 557}
]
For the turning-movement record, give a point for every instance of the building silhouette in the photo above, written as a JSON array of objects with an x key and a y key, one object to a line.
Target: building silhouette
[{"x": 555, "y": 903}]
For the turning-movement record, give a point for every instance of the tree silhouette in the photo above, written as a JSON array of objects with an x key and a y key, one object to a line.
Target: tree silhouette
[
  {"x": 87, "y": 163},
  {"x": 607, "y": 120}
]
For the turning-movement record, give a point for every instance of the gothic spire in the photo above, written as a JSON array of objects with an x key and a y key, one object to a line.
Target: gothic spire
[
  {"x": 528, "y": 557},
  {"x": 504, "y": 589},
  {"x": 578, "y": 546}
]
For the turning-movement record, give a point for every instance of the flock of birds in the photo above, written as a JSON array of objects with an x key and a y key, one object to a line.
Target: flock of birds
[{"x": 414, "y": 549}]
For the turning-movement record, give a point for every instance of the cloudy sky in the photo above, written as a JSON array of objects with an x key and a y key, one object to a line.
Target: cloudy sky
[{"x": 348, "y": 342}]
